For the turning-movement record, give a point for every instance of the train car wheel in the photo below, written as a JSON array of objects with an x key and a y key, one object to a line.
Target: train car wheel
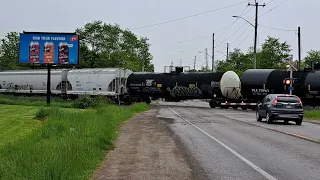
[
  {"x": 235, "y": 107},
  {"x": 148, "y": 101},
  {"x": 244, "y": 107},
  {"x": 253, "y": 107},
  {"x": 212, "y": 104},
  {"x": 224, "y": 107}
]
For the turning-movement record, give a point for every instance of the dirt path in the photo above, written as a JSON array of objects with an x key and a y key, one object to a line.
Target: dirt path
[{"x": 146, "y": 149}]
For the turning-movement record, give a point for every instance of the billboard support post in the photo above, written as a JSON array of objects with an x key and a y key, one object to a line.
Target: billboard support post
[
  {"x": 49, "y": 49},
  {"x": 48, "y": 84}
]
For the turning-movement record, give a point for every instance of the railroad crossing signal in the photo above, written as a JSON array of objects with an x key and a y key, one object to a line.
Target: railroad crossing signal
[{"x": 287, "y": 81}]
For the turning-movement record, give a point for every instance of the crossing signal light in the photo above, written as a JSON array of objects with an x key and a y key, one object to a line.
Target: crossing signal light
[{"x": 287, "y": 81}]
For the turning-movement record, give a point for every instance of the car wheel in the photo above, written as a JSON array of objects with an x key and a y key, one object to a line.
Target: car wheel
[
  {"x": 268, "y": 118},
  {"x": 286, "y": 121},
  {"x": 258, "y": 117},
  {"x": 299, "y": 122}
]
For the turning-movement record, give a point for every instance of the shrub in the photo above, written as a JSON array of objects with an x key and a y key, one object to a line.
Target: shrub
[
  {"x": 83, "y": 102},
  {"x": 86, "y": 101},
  {"x": 42, "y": 113}
]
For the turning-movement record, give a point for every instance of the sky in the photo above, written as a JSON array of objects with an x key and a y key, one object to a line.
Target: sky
[{"x": 187, "y": 35}]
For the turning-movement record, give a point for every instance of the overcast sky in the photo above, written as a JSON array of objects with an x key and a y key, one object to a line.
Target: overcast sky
[{"x": 67, "y": 15}]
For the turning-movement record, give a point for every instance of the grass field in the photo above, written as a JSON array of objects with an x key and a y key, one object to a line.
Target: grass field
[
  {"x": 312, "y": 114},
  {"x": 66, "y": 143},
  {"x": 34, "y": 101},
  {"x": 16, "y": 121}
]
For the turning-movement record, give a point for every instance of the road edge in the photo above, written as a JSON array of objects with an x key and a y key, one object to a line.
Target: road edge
[
  {"x": 276, "y": 130},
  {"x": 197, "y": 171},
  {"x": 312, "y": 121}
]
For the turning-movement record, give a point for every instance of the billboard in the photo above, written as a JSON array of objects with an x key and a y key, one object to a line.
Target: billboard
[{"x": 49, "y": 48}]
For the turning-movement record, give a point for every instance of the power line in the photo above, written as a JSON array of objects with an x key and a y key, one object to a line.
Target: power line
[
  {"x": 221, "y": 53},
  {"x": 232, "y": 34},
  {"x": 270, "y": 2},
  {"x": 273, "y": 8},
  {"x": 240, "y": 35},
  {"x": 245, "y": 38},
  {"x": 178, "y": 42},
  {"x": 230, "y": 25},
  {"x": 278, "y": 28},
  {"x": 245, "y": 23},
  {"x": 234, "y": 22},
  {"x": 186, "y": 17},
  {"x": 259, "y": 24}
]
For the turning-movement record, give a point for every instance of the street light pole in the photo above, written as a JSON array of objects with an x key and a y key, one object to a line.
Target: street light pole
[
  {"x": 255, "y": 32},
  {"x": 255, "y": 39}
]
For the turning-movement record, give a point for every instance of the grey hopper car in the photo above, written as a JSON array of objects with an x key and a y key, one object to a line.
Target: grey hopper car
[{"x": 99, "y": 81}]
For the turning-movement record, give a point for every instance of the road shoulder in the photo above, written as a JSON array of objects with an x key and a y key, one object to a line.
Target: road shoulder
[
  {"x": 146, "y": 149},
  {"x": 312, "y": 121}
]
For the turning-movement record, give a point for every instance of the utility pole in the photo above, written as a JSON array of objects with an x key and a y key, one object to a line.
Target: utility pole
[
  {"x": 299, "y": 48},
  {"x": 212, "y": 51},
  {"x": 206, "y": 59},
  {"x": 194, "y": 63},
  {"x": 142, "y": 66},
  {"x": 180, "y": 62},
  {"x": 227, "y": 51},
  {"x": 255, "y": 32}
]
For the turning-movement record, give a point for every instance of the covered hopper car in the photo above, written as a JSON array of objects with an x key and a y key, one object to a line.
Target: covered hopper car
[{"x": 110, "y": 82}]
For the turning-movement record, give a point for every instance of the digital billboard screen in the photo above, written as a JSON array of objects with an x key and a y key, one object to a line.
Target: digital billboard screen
[{"x": 49, "y": 48}]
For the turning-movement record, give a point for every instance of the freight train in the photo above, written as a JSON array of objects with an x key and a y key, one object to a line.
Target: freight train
[
  {"x": 69, "y": 83},
  {"x": 223, "y": 89},
  {"x": 226, "y": 89}
]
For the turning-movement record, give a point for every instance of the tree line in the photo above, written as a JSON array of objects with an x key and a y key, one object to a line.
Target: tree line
[
  {"x": 273, "y": 54},
  {"x": 101, "y": 45},
  {"x": 105, "y": 45}
]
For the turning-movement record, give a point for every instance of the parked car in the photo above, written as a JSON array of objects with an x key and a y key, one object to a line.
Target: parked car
[{"x": 280, "y": 107}]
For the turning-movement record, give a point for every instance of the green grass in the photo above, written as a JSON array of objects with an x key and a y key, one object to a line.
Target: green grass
[
  {"x": 34, "y": 101},
  {"x": 16, "y": 121},
  {"x": 58, "y": 143},
  {"x": 312, "y": 114}
]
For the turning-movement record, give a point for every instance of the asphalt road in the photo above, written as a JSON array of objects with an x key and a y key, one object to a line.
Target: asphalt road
[{"x": 230, "y": 144}]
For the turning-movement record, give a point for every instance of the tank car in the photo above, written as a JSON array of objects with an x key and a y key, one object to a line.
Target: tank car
[
  {"x": 186, "y": 85},
  {"x": 256, "y": 83}
]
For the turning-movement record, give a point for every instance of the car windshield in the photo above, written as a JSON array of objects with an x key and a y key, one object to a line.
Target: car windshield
[{"x": 288, "y": 99}]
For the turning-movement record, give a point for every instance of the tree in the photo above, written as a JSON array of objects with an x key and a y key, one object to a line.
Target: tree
[
  {"x": 273, "y": 54},
  {"x": 9, "y": 51},
  {"x": 313, "y": 56},
  {"x": 106, "y": 45},
  {"x": 101, "y": 45},
  {"x": 238, "y": 62}
]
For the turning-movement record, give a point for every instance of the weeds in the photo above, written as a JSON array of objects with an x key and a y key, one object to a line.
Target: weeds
[
  {"x": 312, "y": 114},
  {"x": 33, "y": 101},
  {"x": 69, "y": 145}
]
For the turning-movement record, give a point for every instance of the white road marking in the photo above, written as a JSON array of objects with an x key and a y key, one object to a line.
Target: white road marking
[
  {"x": 231, "y": 113},
  {"x": 255, "y": 167}
]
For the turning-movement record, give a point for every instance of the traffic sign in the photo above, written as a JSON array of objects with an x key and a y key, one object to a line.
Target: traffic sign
[{"x": 290, "y": 88}]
